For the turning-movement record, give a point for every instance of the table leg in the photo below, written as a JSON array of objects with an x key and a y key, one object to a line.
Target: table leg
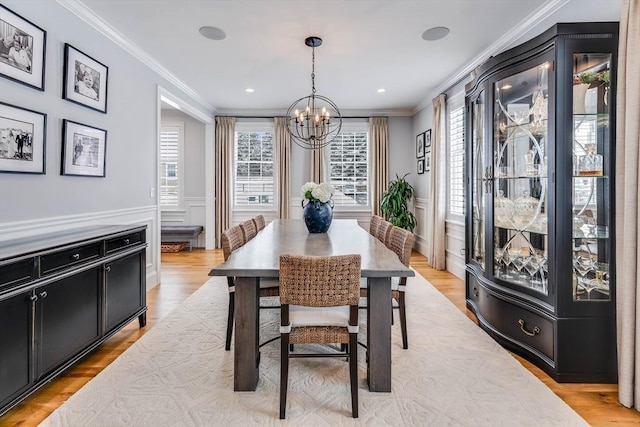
[
  {"x": 246, "y": 345},
  {"x": 379, "y": 333}
]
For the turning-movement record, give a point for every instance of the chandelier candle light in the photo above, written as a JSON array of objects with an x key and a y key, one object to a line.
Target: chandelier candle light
[{"x": 314, "y": 120}]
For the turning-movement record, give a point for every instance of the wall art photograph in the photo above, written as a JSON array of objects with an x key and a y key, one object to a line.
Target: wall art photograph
[
  {"x": 427, "y": 162},
  {"x": 22, "y": 139},
  {"x": 22, "y": 49},
  {"x": 83, "y": 149},
  {"x": 420, "y": 145},
  {"x": 427, "y": 139},
  {"x": 420, "y": 166},
  {"x": 85, "y": 79}
]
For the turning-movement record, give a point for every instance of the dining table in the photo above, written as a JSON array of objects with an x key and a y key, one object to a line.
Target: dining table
[{"x": 260, "y": 257}]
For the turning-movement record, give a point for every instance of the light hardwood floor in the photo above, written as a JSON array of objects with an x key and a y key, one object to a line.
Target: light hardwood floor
[{"x": 184, "y": 272}]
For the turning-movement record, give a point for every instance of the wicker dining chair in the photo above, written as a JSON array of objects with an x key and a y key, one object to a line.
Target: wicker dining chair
[
  {"x": 375, "y": 222},
  {"x": 231, "y": 240},
  {"x": 319, "y": 304},
  {"x": 382, "y": 232},
  {"x": 259, "y": 222},
  {"x": 400, "y": 241},
  {"x": 249, "y": 230}
]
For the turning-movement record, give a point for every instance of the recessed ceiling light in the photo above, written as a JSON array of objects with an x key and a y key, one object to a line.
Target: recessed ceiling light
[
  {"x": 249, "y": 90},
  {"x": 213, "y": 33},
  {"x": 382, "y": 90},
  {"x": 435, "y": 33}
]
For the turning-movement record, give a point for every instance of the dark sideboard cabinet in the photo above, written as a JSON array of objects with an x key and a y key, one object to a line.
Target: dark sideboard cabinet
[
  {"x": 61, "y": 295},
  {"x": 540, "y": 231}
]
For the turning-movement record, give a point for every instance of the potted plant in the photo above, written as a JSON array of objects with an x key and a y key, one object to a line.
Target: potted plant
[{"x": 394, "y": 204}]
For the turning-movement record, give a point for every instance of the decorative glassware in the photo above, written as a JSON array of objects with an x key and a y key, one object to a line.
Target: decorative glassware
[
  {"x": 504, "y": 209},
  {"x": 526, "y": 208},
  {"x": 591, "y": 163}
]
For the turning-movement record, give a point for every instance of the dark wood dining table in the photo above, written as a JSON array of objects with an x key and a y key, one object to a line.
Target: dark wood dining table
[{"x": 260, "y": 257}]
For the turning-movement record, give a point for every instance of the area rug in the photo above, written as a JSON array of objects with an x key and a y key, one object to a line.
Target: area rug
[{"x": 178, "y": 374}]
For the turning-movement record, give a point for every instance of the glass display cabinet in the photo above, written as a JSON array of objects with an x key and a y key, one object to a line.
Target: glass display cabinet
[{"x": 540, "y": 209}]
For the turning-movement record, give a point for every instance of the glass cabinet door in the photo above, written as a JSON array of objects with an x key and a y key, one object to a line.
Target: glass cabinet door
[
  {"x": 479, "y": 181},
  {"x": 591, "y": 214},
  {"x": 520, "y": 214}
]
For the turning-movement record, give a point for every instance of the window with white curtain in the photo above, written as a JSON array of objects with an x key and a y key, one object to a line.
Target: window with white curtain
[
  {"x": 349, "y": 166},
  {"x": 171, "y": 167},
  {"x": 254, "y": 156},
  {"x": 455, "y": 153}
]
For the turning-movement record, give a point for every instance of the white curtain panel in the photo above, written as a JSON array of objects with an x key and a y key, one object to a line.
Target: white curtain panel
[
  {"x": 627, "y": 212},
  {"x": 225, "y": 134},
  {"x": 379, "y": 140},
  {"x": 283, "y": 144},
  {"x": 436, "y": 256}
]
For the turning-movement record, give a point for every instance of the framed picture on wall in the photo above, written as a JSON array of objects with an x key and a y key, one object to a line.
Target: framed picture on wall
[
  {"x": 420, "y": 145},
  {"x": 420, "y": 166},
  {"x": 427, "y": 162},
  {"x": 22, "y": 49},
  {"x": 427, "y": 140},
  {"x": 85, "y": 80},
  {"x": 22, "y": 139},
  {"x": 83, "y": 149}
]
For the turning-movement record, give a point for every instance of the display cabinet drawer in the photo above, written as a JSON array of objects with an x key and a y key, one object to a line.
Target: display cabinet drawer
[
  {"x": 518, "y": 323},
  {"x": 16, "y": 273},
  {"x": 60, "y": 260},
  {"x": 122, "y": 242}
]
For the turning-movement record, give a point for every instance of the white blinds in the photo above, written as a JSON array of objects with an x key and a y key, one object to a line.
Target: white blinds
[
  {"x": 170, "y": 170},
  {"x": 456, "y": 162}
]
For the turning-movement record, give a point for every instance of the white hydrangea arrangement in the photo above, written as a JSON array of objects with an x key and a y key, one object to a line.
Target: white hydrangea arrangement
[{"x": 313, "y": 192}]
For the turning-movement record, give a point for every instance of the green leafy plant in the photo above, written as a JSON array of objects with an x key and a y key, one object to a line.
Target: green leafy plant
[{"x": 394, "y": 204}]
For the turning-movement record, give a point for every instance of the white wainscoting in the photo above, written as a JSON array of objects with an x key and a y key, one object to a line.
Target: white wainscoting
[
  {"x": 454, "y": 237},
  {"x": 455, "y": 248},
  {"x": 146, "y": 215},
  {"x": 194, "y": 213}
]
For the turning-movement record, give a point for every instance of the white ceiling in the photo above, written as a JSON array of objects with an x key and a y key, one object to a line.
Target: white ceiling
[{"x": 368, "y": 44}]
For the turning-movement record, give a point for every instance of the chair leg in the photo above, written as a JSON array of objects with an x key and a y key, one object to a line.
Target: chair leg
[
  {"x": 284, "y": 373},
  {"x": 353, "y": 372},
  {"x": 230, "y": 320},
  {"x": 403, "y": 320}
]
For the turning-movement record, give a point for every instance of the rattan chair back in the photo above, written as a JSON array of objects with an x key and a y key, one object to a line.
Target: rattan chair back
[
  {"x": 249, "y": 230},
  {"x": 375, "y": 222},
  {"x": 400, "y": 241},
  {"x": 382, "y": 233},
  {"x": 231, "y": 240},
  {"x": 259, "y": 222}
]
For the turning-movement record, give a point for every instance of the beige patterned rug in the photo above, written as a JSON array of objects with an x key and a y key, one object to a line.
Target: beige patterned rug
[{"x": 178, "y": 374}]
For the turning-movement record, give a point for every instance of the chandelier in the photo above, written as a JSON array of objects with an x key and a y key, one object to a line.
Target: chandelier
[{"x": 314, "y": 120}]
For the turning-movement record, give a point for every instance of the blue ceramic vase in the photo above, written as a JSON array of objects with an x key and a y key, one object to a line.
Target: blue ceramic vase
[{"x": 317, "y": 216}]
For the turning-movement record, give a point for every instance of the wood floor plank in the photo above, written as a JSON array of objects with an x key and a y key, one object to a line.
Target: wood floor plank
[{"x": 184, "y": 272}]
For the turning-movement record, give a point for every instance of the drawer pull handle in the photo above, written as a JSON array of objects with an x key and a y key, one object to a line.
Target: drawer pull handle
[
  {"x": 536, "y": 330},
  {"x": 108, "y": 268},
  {"x": 126, "y": 241},
  {"x": 475, "y": 291},
  {"x": 43, "y": 294},
  {"x": 33, "y": 298},
  {"x": 75, "y": 257}
]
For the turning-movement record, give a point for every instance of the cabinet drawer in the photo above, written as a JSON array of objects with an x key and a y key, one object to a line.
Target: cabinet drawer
[
  {"x": 16, "y": 273},
  {"x": 59, "y": 260},
  {"x": 121, "y": 242},
  {"x": 518, "y": 323}
]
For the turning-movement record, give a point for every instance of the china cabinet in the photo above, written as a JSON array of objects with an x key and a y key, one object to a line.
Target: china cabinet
[
  {"x": 61, "y": 295},
  {"x": 540, "y": 258}
]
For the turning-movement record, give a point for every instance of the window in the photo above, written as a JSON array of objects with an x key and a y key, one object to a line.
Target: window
[
  {"x": 455, "y": 131},
  {"x": 349, "y": 166},
  {"x": 254, "y": 180},
  {"x": 171, "y": 172}
]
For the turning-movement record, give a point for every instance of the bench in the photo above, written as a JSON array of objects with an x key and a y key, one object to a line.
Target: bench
[{"x": 180, "y": 233}]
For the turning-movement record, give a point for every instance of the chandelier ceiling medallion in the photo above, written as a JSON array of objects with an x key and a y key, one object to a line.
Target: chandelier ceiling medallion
[{"x": 314, "y": 120}]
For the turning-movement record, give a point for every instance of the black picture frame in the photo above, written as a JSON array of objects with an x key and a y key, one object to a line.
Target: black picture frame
[
  {"x": 85, "y": 80},
  {"x": 420, "y": 166},
  {"x": 427, "y": 139},
  {"x": 23, "y": 135},
  {"x": 84, "y": 150},
  {"x": 22, "y": 49},
  {"x": 420, "y": 145},
  {"x": 427, "y": 162}
]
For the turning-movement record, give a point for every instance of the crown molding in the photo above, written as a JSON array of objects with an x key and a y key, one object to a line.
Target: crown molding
[
  {"x": 521, "y": 28},
  {"x": 91, "y": 18}
]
